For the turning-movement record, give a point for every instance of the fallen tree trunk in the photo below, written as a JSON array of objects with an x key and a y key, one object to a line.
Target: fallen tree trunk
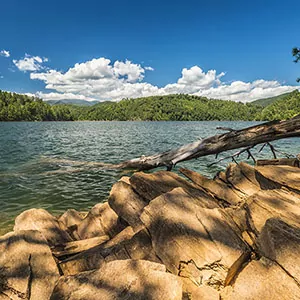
[{"x": 251, "y": 136}]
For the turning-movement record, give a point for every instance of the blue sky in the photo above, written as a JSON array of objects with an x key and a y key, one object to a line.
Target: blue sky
[{"x": 239, "y": 50}]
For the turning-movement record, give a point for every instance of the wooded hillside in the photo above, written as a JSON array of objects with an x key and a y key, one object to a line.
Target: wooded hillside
[{"x": 179, "y": 107}]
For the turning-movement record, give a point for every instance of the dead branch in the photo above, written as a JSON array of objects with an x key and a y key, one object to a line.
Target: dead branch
[{"x": 248, "y": 137}]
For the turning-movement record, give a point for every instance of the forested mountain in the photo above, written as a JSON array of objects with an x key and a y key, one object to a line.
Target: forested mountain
[
  {"x": 267, "y": 101},
  {"x": 179, "y": 107},
  {"x": 16, "y": 107},
  {"x": 72, "y": 101},
  {"x": 174, "y": 108},
  {"x": 284, "y": 108}
]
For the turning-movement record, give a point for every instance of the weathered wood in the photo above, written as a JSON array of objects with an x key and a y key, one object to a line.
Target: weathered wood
[
  {"x": 251, "y": 136},
  {"x": 293, "y": 162}
]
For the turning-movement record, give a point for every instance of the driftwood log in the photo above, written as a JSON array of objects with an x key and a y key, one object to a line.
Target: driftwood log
[{"x": 234, "y": 139}]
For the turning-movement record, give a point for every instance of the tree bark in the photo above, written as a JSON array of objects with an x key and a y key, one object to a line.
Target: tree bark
[{"x": 251, "y": 136}]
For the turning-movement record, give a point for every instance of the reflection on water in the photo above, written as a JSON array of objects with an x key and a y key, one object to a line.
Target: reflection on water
[{"x": 57, "y": 165}]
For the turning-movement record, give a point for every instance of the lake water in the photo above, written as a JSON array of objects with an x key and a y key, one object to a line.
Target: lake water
[{"x": 41, "y": 163}]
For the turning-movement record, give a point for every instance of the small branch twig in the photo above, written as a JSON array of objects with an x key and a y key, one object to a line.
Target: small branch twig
[
  {"x": 236, "y": 154},
  {"x": 272, "y": 149},
  {"x": 226, "y": 129}
]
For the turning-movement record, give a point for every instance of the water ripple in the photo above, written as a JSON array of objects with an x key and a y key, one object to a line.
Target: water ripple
[{"x": 55, "y": 165}]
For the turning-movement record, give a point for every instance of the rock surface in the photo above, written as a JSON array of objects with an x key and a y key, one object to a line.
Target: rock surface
[
  {"x": 280, "y": 242},
  {"x": 198, "y": 242},
  {"x": 263, "y": 279},
  {"x": 150, "y": 186},
  {"x": 27, "y": 268},
  {"x": 236, "y": 236},
  {"x": 121, "y": 279},
  {"x": 101, "y": 220},
  {"x": 128, "y": 245},
  {"x": 126, "y": 203},
  {"x": 285, "y": 175},
  {"x": 78, "y": 246},
  {"x": 220, "y": 189},
  {"x": 41, "y": 220}
]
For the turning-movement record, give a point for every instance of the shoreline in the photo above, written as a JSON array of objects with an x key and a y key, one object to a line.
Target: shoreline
[{"x": 184, "y": 238}]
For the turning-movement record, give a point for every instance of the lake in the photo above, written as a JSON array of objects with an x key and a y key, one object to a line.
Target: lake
[{"x": 44, "y": 164}]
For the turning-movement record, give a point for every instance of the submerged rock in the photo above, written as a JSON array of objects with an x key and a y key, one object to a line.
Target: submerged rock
[
  {"x": 27, "y": 268},
  {"x": 122, "y": 280}
]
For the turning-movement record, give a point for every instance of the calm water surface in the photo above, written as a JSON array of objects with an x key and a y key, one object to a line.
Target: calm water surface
[{"x": 41, "y": 163}]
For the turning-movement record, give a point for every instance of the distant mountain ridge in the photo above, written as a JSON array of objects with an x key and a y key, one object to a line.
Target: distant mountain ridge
[
  {"x": 261, "y": 102},
  {"x": 72, "y": 101},
  {"x": 267, "y": 101},
  {"x": 176, "y": 107}
]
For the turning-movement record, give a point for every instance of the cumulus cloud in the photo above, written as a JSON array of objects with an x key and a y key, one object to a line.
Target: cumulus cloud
[
  {"x": 5, "y": 53},
  {"x": 30, "y": 63},
  {"x": 58, "y": 96},
  {"x": 101, "y": 79}
]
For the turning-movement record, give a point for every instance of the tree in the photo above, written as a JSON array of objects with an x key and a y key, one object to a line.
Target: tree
[{"x": 296, "y": 54}]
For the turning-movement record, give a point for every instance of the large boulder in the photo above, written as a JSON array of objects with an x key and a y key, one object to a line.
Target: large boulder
[
  {"x": 126, "y": 245},
  {"x": 262, "y": 279},
  {"x": 74, "y": 247},
  {"x": 27, "y": 268},
  {"x": 70, "y": 220},
  {"x": 193, "y": 239},
  {"x": 284, "y": 175},
  {"x": 246, "y": 179},
  {"x": 121, "y": 279},
  {"x": 126, "y": 203},
  {"x": 272, "y": 204},
  {"x": 41, "y": 220},
  {"x": 280, "y": 242},
  {"x": 150, "y": 186},
  {"x": 218, "y": 188},
  {"x": 101, "y": 220},
  {"x": 192, "y": 291}
]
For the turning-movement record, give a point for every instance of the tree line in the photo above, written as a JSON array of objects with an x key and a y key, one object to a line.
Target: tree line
[{"x": 179, "y": 107}]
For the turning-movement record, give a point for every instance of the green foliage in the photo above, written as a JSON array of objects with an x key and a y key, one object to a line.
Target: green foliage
[
  {"x": 179, "y": 107},
  {"x": 267, "y": 101},
  {"x": 296, "y": 54},
  {"x": 15, "y": 107},
  {"x": 285, "y": 108}
]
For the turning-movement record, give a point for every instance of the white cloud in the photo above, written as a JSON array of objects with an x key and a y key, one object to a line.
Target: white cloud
[
  {"x": 149, "y": 68},
  {"x": 5, "y": 53},
  {"x": 30, "y": 63},
  {"x": 131, "y": 72},
  {"x": 100, "y": 79},
  {"x": 58, "y": 96}
]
